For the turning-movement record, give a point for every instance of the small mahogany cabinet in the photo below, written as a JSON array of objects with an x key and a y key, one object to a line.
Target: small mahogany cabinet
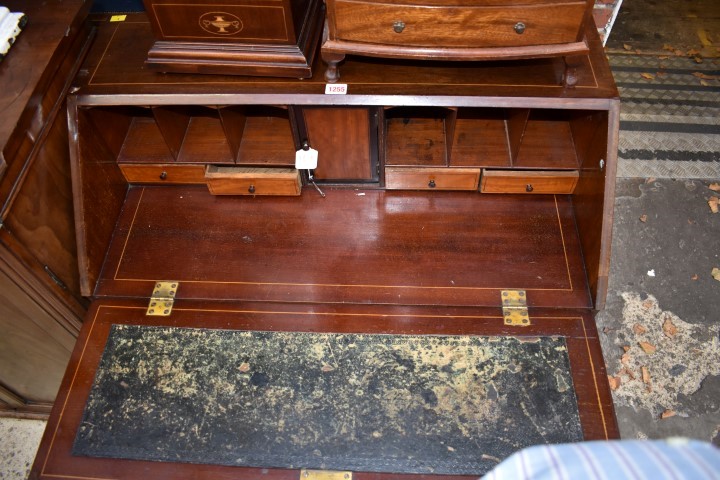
[
  {"x": 241, "y": 37},
  {"x": 41, "y": 308},
  {"x": 445, "y": 185}
]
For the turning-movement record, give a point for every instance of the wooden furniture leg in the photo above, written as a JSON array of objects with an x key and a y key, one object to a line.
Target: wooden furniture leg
[
  {"x": 570, "y": 74},
  {"x": 332, "y": 72}
]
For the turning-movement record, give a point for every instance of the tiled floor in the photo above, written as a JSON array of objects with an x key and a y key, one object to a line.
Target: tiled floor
[{"x": 19, "y": 441}]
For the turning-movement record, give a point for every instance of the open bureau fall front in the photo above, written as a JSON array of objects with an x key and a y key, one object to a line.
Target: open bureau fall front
[{"x": 451, "y": 191}]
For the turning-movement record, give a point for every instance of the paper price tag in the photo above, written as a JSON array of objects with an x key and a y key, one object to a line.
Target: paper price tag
[
  {"x": 336, "y": 88},
  {"x": 118, "y": 18},
  {"x": 306, "y": 159}
]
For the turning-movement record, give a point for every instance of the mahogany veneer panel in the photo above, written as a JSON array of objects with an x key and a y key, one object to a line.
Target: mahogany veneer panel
[
  {"x": 55, "y": 460},
  {"x": 416, "y": 141},
  {"x": 205, "y": 142},
  {"x": 344, "y": 140},
  {"x": 40, "y": 304},
  {"x": 400, "y": 247},
  {"x": 547, "y": 143},
  {"x": 480, "y": 139},
  {"x": 267, "y": 140},
  {"x": 144, "y": 143}
]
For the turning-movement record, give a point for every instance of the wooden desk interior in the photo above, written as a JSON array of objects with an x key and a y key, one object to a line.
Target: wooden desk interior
[{"x": 445, "y": 184}]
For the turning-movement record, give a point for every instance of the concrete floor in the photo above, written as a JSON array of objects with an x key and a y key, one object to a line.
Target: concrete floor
[
  {"x": 666, "y": 243},
  {"x": 19, "y": 440}
]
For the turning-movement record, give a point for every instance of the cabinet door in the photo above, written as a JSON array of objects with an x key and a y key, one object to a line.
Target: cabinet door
[
  {"x": 346, "y": 141},
  {"x": 34, "y": 350}
]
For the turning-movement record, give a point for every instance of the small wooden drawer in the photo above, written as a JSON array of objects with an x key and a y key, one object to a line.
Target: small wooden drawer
[
  {"x": 513, "y": 181},
  {"x": 252, "y": 181},
  {"x": 159, "y": 173},
  {"x": 421, "y": 178},
  {"x": 374, "y": 22}
]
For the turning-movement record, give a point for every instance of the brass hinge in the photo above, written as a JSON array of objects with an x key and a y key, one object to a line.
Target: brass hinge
[
  {"x": 514, "y": 306},
  {"x": 162, "y": 298},
  {"x": 324, "y": 475}
]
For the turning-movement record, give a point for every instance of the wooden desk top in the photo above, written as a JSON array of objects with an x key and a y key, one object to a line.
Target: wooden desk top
[
  {"x": 115, "y": 74},
  {"x": 30, "y": 65}
]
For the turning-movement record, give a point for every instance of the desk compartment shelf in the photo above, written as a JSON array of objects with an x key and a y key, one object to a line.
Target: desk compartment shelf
[
  {"x": 489, "y": 137},
  {"x": 189, "y": 134}
]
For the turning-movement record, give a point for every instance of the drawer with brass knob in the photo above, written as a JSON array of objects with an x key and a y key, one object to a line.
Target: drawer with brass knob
[
  {"x": 467, "y": 30},
  {"x": 252, "y": 181},
  {"x": 163, "y": 173},
  {"x": 424, "y": 178},
  {"x": 521, "y": 181}
]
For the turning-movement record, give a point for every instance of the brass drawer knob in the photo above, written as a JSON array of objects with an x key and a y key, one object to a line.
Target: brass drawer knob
[
  {"x": 399, "y": 26},
  {"x": 431, "y": 184},
  {"x": 519, "y": 28},
  {"x": 163, "y": 175},
  {"x": 528, "y": 188},
  {"x": 251, "y": 189}
]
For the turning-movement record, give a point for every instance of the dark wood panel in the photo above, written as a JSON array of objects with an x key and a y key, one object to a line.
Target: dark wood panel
[
  {"x": 547, "y": 142},
  {"x": 40, "y": 303},
  {"x": 143, "y": 143},
  {"x": 416, "y": 136},
  {"x": 205, "y": 142},
  {"x": 41, "y": 217},
  {"x": 54, "y": 457},
  {"x": 480, "y": 139},
  {"x": 343, "y": 140},
  {"x": 267, "y": 138},
  {"x": 98, "y": 193},
  {"x": 123, "y": 129},
  {"x": 397, "y": 247},
  {"x": 594, "y": 202},
  {"x": 172, "y": 123},
  {"x": 33, "y": 69}
]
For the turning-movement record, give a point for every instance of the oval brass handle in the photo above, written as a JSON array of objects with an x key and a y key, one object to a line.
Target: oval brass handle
[
  {"x": 251, "y": 189},
  {"x": 399, "y": 26},
  {"x": 519, "y": 28},
  {"x": 163, "y": 175},
  {"x": 528, "y": 188},
  {"x": 431, "y": 184}
]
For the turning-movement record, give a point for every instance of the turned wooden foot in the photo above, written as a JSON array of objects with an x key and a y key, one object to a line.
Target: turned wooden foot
[
  {"x": 570, "y": 74},
  {"x": 332, "y": 71}
]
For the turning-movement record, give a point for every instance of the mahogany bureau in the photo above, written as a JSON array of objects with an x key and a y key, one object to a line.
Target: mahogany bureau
[
  {"x": 457, "y": 199},
  {"x": 41, "y": 308}
]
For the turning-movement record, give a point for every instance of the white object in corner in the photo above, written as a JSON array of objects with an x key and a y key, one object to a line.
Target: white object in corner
[{"x": 10, "y": 26}]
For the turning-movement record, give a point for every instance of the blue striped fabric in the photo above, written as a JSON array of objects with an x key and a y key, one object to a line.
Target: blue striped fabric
[{"x": 672, "y": 459}]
